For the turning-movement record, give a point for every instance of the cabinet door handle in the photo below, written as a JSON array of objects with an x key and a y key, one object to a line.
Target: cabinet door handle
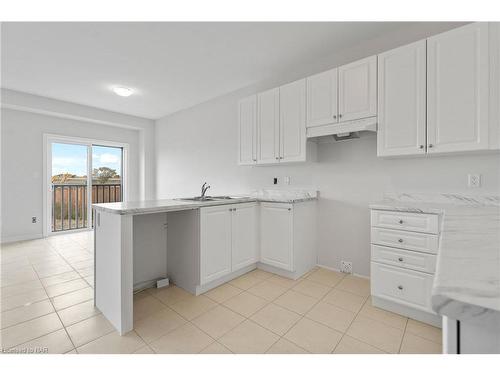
[
  {"x": 277, "y": 158},
  {"x": 401, "y": 221},
  {"x": 421, "y": 147},
  {"x": 340, "y": 116},
  {"x": 430, "y": 145},
  {"x": 400, "y": 259},
  {"x": 289, "y": 209},
  {"x": 400, "y": 240},
  {"x": 334, "y": 116},
  {"x": 400, "y": 287}
]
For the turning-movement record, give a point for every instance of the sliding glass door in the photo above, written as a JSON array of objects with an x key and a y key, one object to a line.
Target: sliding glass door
[
  {"x": 69, "y": 186},
  {"x": 79, "y": 174}
]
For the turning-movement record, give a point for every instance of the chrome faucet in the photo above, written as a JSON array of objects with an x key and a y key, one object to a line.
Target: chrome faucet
[{"x": 204, "y": 189}]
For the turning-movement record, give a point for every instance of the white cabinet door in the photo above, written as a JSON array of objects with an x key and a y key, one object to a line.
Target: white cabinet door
[
  {"x": 401, "y": 101},
  {"x": 268, "y": 126},
  {"x": 276, "y": 231},
  {"x": 322, "y": 105},
  {"x": 293, "y": 121},
  {"x": 457, "y": 89},
  {"x": 244, "y": 235},
  {"x": 215, "y": 242},
  {"x": 247, "y": 130},
  {"x": 358, "y": 89}
]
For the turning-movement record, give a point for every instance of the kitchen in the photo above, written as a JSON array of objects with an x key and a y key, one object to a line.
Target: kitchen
[
  {"x": 346, "y": 203},
  {"x": 277, "y": 126}
]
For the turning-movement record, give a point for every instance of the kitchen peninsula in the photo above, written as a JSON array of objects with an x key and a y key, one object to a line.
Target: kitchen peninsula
[{"x": 198, "y": 244}]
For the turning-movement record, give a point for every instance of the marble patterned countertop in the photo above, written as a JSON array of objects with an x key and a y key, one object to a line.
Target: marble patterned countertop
[
  {"x": 178, "y": 204},
  {"x": 467, "y": 279}
]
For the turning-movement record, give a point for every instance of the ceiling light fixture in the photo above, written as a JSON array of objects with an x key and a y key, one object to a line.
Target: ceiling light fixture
[{"x": 123, "y": 91}]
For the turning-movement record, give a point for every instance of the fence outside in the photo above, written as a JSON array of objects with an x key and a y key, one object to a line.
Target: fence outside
[{"x": 69, "y": 203}]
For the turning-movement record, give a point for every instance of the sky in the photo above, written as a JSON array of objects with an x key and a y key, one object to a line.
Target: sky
[{"x": 69, "y": 158}]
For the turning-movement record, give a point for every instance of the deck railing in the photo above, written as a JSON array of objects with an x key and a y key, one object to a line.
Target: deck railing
[{"x": 69, "y": 203}]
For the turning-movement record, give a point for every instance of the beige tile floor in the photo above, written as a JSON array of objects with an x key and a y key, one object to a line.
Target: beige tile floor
[{"x": 46, "y": 306}]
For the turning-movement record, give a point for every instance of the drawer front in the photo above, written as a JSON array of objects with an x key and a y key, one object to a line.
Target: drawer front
[
  {"x": 403, "y": 286},
  {"x": 403, "y": 258},
  {"x": 425, "y": 223},
  {"x": 427, "y": 243}
]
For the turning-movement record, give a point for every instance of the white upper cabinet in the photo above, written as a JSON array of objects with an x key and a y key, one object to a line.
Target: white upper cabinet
[
  {"x": 247, "y": 130},
  {"x": 401, "y": 101},
  {"x": 215, "y": 242},
  {"x": 457, "y": 89},
  {"x": 322, "y": 98},
  {"x": 244, "y": 235},
  {"x": 268, "y": 126},
  {"x": 293, "y": 121},
  {"x": 358, "y": 89}
]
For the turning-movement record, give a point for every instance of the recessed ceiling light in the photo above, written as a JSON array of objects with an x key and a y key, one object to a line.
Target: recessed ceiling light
[{"x": 122, "y": 91}]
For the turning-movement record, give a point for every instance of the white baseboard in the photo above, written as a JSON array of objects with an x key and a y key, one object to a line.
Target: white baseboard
[
  {"x": 338, "y": 270},
  {"x": 22, "y": 237}
]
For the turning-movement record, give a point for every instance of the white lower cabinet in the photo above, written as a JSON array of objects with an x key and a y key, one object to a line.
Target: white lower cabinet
[
  {"x": 228, "y": 239},
  {"x": 244, "y": 235},
  {"x": 403, "y": 263},
  {"x": 212, "y": 245},
  {"x": 215, "y": 242},
  {"x": 401, "y": 285},
  {"x": 276, "y": 231},
  {"x": 288, "y": 237}
]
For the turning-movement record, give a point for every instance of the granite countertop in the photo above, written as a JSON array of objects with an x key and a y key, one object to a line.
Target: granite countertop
[
  {"x": 169, "y": 205},
  {"x": 467, "y": 279}
]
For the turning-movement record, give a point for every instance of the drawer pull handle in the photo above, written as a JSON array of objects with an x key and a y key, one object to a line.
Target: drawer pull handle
[
  {"x": 400, "y": 259},
  {"x": 400, "y": 240},
  {"x": 400, "y": 287},
  {"x": 401, "y": 221}
]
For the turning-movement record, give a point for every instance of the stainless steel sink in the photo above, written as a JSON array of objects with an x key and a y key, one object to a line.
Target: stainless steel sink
[{"x": 207, "y": 198}]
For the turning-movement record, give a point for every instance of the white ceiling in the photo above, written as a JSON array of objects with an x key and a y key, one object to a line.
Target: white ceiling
[{"x": 172, "y": 66}]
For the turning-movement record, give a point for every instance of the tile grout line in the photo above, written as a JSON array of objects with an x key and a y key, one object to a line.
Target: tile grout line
[
  {"x": 55, "y": 311},
  {"x": 403, "y": 336},
  {"x": 60, "y": 320},
  {"x": 304, "y": 316}
]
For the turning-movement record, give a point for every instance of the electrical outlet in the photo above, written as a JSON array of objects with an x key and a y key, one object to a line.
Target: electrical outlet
[
  {"x": 275, "y": 180},
  {"x": 287, "y": 180},
  {"x": 345, "y": 267},
  {"x": 474, "y": 180},
  {"x": 33, "y": 220}
]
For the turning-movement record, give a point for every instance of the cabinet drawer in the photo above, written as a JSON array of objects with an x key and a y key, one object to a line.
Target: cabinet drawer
[
  {"x": 403, "y": 258},
  {"x": 426, "y": 223},
  {"x": 428, "y": 243},
  {"x": 411, "y": 288}
]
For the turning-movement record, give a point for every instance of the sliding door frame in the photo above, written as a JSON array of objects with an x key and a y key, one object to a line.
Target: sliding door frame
[{"x": 48, "y": 140}]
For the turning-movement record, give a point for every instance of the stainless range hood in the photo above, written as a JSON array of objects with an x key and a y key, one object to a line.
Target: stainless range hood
[{"x": 343, "y": 130}]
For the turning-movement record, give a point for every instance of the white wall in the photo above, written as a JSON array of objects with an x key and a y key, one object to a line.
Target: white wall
[
  {"x": 22, "y": 132},
  {"x": 200, "y": 144}
]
